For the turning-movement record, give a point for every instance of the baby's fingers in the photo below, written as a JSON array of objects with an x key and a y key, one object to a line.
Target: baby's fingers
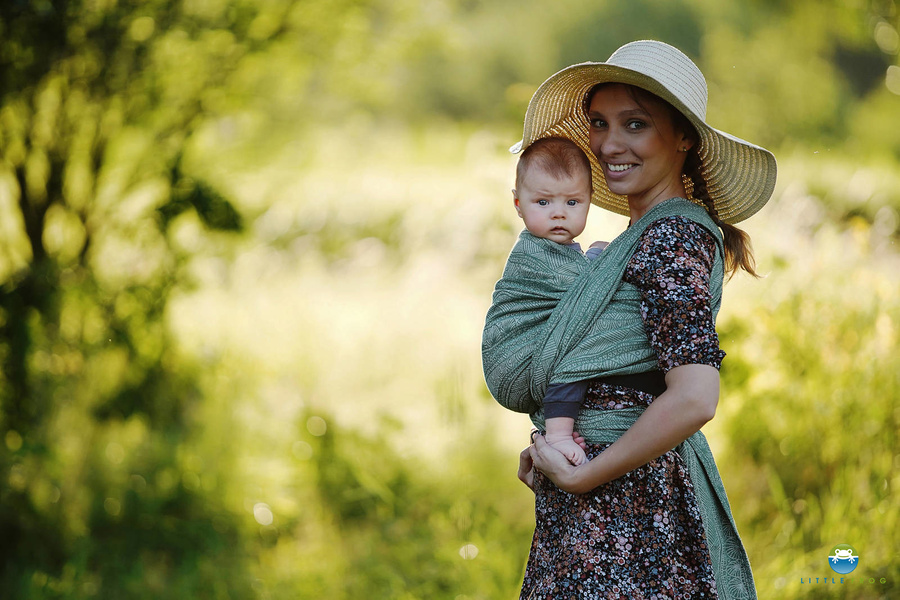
[{"x": 579, "y": 439}]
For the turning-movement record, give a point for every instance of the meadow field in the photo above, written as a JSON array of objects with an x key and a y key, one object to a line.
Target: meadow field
[
  {"x": 247, "y": 248},
  {"x": 363, "y": 428}
]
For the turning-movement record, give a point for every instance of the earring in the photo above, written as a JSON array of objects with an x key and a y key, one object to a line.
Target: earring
[{"x": 684, "y": 148}]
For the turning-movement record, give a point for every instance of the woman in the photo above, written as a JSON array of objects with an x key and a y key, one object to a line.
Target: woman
[{"x": 647, "y": 516}]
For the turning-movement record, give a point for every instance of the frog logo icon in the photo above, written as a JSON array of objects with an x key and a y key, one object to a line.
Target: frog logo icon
[{"x": 843, "y": 559}]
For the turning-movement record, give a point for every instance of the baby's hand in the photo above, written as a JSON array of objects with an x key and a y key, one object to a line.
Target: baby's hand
[
  {"x": 572, "y": 451},
  {"x": 601, "y": 245}
]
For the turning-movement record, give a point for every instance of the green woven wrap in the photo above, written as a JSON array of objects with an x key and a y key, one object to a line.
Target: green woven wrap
[{"x": 557, "y": 317}]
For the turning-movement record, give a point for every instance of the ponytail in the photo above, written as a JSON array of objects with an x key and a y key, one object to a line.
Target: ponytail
[{"x": 738, "y": 250}]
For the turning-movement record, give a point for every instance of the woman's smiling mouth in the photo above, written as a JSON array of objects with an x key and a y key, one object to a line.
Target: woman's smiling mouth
[{"x": 619, "y": 168}]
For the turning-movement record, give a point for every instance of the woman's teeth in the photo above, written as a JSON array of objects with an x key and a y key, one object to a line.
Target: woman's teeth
[{"x": 618, "y": 168}]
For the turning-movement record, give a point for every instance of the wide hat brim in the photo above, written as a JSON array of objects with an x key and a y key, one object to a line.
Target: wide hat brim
[{"x": 740, "y": 176}]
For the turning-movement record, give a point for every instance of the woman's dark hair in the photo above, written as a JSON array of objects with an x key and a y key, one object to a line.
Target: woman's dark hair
[{"x": 738, "y": 249}]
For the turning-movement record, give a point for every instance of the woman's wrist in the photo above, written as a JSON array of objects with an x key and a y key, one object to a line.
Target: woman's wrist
[{"x": 585, "y": 477}]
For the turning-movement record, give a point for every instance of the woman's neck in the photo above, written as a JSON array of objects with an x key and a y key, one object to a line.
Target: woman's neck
[{"x": 639, "y": 205}]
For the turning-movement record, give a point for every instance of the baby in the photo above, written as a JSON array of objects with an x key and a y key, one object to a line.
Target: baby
[{"x": 552, "y": 196}]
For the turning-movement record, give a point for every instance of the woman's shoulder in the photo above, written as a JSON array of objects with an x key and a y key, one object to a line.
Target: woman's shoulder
[
  {"x": 673, "y": 242},
  {"x": 677, "y": 230}
]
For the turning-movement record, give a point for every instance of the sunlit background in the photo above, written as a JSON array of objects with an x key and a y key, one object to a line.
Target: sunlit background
[{"x": 247, "y": 246}]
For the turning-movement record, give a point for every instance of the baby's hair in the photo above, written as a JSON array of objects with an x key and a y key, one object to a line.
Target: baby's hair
[{"x": 558, "y": 156}]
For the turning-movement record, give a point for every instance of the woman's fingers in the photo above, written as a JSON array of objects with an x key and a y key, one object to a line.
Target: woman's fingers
[
  {"x": 551, "y": 462},
  {"x": 542, "y": 453},
  {"x": 526, "y": 468}
]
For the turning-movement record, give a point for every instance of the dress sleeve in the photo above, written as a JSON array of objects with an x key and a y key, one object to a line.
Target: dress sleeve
[{"x": 671, "y": 268}]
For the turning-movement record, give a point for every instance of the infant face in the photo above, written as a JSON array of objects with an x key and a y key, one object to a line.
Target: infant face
[{"x": 554, "y": 208}]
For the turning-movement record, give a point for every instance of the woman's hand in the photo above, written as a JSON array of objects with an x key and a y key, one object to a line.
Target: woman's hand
[
  {"x": 526, "y": 468},
  {"x": 553, "y": 463},
  {"x": 526, "y": 463}
]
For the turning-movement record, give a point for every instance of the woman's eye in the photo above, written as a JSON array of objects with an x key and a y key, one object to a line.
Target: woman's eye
[
  {"x": 635, "y": 124},
  {"x": 598, "y": 123}
]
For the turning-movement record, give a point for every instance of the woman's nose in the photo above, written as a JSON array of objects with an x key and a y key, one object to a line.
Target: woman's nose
[{"x": 610, "y": 143}]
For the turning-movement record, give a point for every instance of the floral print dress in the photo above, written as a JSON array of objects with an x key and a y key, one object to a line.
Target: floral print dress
[{"x": 639, "y": 536}]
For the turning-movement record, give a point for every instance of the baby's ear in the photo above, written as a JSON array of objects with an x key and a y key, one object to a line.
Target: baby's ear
[{"x": 516, "y": 203}]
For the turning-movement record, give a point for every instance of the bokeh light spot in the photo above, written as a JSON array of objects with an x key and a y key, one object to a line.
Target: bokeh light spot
[
  {"x": 115, "y": 453},
  {"x": 190, "y": 481},
  {"x": 13, "y": 440},
  {"x": 892, "y": 79},
  {"x": 142, "y": 28},
  {"x": 112, "y": 506},
  {"x": 263, "y": 514},
  {"x": 165, "y": 480},
  {"x": 138, "y": 483},
  {"x": 887, "y": 38},
  {"x": 468, "y": 552},
  {"x": 316, "y": 426},
  {"x": 302, "y": 451},
  {"x": 17, "y": 478}
]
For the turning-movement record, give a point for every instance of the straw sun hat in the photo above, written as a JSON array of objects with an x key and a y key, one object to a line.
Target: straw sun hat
[{"x": 740, "y": 176}]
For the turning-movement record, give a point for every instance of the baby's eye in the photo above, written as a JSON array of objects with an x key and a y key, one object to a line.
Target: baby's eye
[
  {"x": 542, "y": 202},
  {"x": 572, "y": 203}
]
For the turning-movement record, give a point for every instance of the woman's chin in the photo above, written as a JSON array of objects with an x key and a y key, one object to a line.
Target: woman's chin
[{"x": 618, "y": 188}]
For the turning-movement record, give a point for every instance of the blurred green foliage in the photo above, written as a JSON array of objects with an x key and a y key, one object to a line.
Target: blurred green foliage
[{"x": 247, "y": 246}]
